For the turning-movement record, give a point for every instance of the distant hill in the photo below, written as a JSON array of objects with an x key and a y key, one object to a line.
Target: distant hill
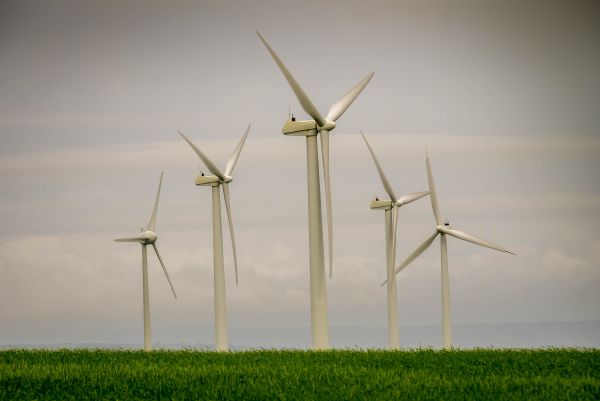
[{"x": 500, "y": 335}]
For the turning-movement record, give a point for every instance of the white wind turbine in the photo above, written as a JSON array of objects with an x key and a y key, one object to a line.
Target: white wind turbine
[
  {"x": 149, "y": 237},
  {"x": 444, "y": 230},
  {"x": 220, "y": 179},
  {"x": 391, "y": 223},
  {"x": 310, "y": 129}
]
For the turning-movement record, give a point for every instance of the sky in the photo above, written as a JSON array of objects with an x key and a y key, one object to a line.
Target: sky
[{"x": 503, "y": 94}]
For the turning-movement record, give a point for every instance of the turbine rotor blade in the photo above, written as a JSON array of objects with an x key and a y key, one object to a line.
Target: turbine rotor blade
[
  {"x": 236, "y": 153},
  {"x": 394, "y": 233},
  {"x": 303, "y": 98},
  {"x": 468, "y": 237},
  {"x": 131, "y": 239},
  {"x": 325, "y": 155},
  {"x": 152, "y": 222},
  {"x": 164, "y": 268},
  {"x": 338, "y": 108},
  {"x": 432, "y": 195},
  {"x": 404, "y": 199},
  {"x": 209, "y": 164},
  {"x": 231, "y": 234},
  {"x": 384, "y": 180},
  {"x": 417, "y": 252}
]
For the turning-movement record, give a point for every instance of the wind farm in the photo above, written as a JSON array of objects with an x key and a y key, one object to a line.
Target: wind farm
[
  {"x": 310, "y": 129},
  {"x": 487, "y": 108}
]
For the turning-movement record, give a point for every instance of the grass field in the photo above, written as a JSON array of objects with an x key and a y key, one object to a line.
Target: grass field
[{"x": 556, "y": 374}]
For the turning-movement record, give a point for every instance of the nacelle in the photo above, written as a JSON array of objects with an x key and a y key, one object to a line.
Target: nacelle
[
  {"x": 208, "y": 180},
  {"x": 382, "y": 204},
  {"x": 299, "y": 128}
]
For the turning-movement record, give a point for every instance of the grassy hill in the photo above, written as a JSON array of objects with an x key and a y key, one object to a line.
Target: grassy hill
[{"x": 551, "y": 374}]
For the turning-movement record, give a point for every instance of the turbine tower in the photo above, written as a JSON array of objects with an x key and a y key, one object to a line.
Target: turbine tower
[
  {"x": 391, "y": 223},
  {"x": 444, "y": 230},
  {"x": 149, "y": 237},
  {"x": 310, "y": 129},
  {"x": 215, "y": 181}
]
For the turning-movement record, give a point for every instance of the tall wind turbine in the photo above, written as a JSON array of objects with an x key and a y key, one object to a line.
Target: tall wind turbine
[
  {"x": 444, "y": 230},
  {"x": 391, "y": 223},
  {"x": 310, "y": 129},
  {"x": 220, "y": 179},
  {"x": 149, "y": 237}
]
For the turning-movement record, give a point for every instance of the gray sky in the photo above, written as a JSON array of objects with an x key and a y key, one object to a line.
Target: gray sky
[{"x": 504, "y": 94}]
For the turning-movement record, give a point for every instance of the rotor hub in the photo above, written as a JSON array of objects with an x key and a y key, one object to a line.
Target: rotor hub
[
  {"x": 329, "y": 125},
  {"x": 150, "y": 236}
]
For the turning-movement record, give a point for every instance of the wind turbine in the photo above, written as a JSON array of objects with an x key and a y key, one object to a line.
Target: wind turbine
[
  {"x": 444, "y": 230},
  {"x": 391, "y": 223},
  {"x": 310, "y": 129},
  {"x": 149, "y": 237},
  {"x": 220, "y": 179}
]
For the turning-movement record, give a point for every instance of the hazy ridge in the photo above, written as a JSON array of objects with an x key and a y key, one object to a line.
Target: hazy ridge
[{"x": 500, "y": 335}]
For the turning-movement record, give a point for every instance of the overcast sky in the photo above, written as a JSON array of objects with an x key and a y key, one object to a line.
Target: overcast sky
[{"x": 504, "y": 94}]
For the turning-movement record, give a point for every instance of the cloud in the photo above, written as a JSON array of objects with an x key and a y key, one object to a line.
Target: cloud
[{"x": 62, "y": 208}]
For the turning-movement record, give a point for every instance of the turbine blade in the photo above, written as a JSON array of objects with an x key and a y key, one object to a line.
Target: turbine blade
[
  {"x": 415, "y": 254},
  {"x": 303, "y": 98},
  {"x": 152, "y": 222},
  {"x": 325, "y": 154},
  {"x": 164, "y": 268},
  {"x": 231, "y": 234},
  {"x": 384, "y": 180},
  {"x": 468, "y": 237},
  {"x": 432, "y": 195},
  {"x": 404, "y": 199},
  {"x": 131, "y": 239},
  {"x": 236, "y": 153},
  {"x": 394, "y": 232},
  {"x": 338, "y": 108},
  {"x": 426, "y": 244},
  {"x": 209, "y": 164}
]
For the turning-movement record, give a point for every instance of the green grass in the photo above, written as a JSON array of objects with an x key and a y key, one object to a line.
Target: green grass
[{"x": 555, "y": 374}]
